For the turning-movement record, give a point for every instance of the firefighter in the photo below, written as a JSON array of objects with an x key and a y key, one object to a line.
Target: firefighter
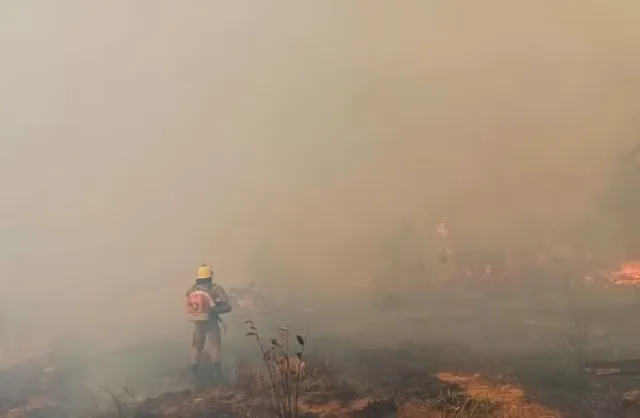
[{"x": 205, "y": 302}]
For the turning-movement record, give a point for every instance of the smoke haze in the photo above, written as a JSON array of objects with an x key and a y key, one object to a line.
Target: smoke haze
[{"x": 289, "y": 142}]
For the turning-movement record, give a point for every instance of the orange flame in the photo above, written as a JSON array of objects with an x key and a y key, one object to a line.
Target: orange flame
[{"x": 629, "y": 273}]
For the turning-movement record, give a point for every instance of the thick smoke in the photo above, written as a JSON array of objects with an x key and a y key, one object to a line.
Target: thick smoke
[{"x": 291, "y": 143}]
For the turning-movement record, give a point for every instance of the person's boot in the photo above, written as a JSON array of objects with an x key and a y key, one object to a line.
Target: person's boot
[
  {"x": 194, "y": 376},
  {"x": 216, "y": 374},
  {"x": 203, "y": 378}
]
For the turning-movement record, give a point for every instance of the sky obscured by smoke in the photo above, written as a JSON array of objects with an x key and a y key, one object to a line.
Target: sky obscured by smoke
[{"x": 291, "y": 139}]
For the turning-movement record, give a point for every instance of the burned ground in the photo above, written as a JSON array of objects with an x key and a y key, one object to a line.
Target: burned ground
[{"x": 464, "y": 354}]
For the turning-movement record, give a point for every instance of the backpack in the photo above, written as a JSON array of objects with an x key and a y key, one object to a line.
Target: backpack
[{"x": 197, "y": 305}]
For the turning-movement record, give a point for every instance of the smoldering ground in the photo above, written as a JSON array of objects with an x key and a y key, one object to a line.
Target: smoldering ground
[{"x": 309, "y": 148}]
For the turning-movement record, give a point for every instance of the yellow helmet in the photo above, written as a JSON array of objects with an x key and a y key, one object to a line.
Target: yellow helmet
[{"x": 205, "y": 272}]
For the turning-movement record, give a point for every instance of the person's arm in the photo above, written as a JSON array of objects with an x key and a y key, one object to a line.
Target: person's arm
[{"x": 222, "y": 304}]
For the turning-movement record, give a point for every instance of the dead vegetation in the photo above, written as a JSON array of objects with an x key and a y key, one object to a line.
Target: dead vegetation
[
  {"x": 432, "y": 379},
  {"x": 410, "y": 381},
  {"x": 285, "y": 372}
]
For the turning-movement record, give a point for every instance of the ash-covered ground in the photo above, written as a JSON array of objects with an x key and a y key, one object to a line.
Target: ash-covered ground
[{"x": 466, "y": 347}]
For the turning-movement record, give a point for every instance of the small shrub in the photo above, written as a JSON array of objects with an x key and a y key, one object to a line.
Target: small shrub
[
  {"x": 125, "y": 402},
  {"x": 285, "y": 371}
]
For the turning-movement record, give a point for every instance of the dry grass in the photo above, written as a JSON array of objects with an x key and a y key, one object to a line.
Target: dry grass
[
  {"x": 323, "y": 395},
  {"x": 378, "y": 383},
  {"x": 497, "y": 400}
]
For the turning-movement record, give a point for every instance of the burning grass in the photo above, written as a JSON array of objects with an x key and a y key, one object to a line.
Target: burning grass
[{"x": 628, "y": 274}]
